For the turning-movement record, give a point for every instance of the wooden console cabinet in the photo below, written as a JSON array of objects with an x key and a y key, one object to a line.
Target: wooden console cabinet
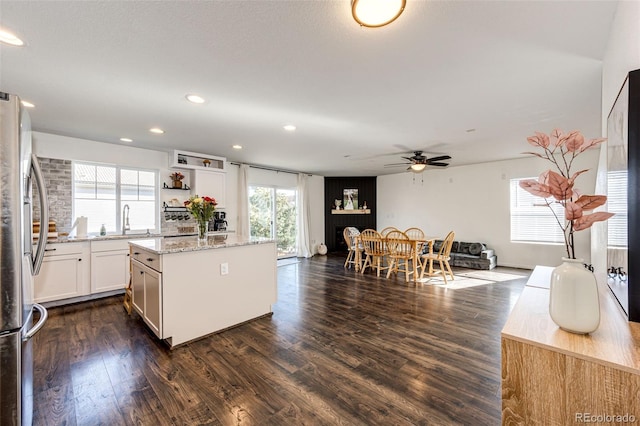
[{"x": 553, "y": 377}]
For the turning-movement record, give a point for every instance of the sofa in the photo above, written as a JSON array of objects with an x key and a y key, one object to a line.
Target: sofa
[{"x": 468, "y": 255}]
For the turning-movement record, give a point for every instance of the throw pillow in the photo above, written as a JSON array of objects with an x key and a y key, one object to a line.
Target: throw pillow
[{"x": 475, "y": 249}]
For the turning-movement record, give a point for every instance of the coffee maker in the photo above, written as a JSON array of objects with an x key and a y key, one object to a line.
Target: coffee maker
[{"x": 219, "y": 224}]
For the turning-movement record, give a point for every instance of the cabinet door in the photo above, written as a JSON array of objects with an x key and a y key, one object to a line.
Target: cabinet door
[
  {"x": 109, "y": 270},
  {"x": 137, "y": 287},
  {"x": 60, "y": 278},
  {"x": 153, "y": 300},
  {"x": 211, "y": 184}
]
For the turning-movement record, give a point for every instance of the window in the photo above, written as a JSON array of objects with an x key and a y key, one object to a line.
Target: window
[
  {"x": 531, "y": 220},
  {"x": 100, "y": 193},
  {"x": 617, "y": 203},
  {"x": 272, "y": 214}
]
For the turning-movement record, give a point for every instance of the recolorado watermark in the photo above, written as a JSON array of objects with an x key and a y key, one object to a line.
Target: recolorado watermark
[{"x": 605, "y": 418}]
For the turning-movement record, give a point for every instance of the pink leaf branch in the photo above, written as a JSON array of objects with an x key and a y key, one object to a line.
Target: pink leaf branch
[{"x": 561, "y": 149}]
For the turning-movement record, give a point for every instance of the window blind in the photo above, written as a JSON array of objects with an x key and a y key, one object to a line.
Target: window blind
[
  {"x": 531, "y": 219},
  {"x": 617, "y": 203}
]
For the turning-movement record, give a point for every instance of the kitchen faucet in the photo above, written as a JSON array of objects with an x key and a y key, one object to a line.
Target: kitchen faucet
[{"x": 125, "y": 219}]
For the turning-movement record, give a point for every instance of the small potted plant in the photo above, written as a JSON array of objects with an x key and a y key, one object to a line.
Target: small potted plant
[{"x": 176, "y": 178}]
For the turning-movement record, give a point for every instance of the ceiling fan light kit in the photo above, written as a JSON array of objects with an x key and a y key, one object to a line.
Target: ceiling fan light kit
[
  {"x": 376, "y": 13},
  {"x": 418, "y": 162}
]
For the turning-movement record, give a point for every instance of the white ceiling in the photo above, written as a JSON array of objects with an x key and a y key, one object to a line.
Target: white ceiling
[{"x": 102, "y": 70}]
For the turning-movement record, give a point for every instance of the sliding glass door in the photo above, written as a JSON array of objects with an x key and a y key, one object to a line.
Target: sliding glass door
[{"x": 272, "y": 214}]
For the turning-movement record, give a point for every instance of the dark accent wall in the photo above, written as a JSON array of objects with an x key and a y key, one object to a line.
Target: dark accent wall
[{"x": 335, "y": 223}]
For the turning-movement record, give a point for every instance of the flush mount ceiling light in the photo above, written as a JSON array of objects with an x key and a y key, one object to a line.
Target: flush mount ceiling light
[
  {"x": 27, "y": 104},
  {"x": 289, "y": 127},
  {"x": 195, "y": 99},
  {"x": 8, "y": 38},
  {"x": 418, "y": 167},
  {"x": 156, "y": 130},
  {"x": 376, "y": 13},
  {"x": 237, "y": 147},
  {"x": 126, "y": 139}
]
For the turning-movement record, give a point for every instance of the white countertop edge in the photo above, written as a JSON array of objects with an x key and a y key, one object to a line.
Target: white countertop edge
[{"x": 162, "y": 245}]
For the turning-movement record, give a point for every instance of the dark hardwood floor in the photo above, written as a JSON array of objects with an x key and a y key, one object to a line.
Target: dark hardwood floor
[{"x": 340, "y": 348}]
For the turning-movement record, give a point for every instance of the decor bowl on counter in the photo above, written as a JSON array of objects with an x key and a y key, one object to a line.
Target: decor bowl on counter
[{"x": 573, "y": 294}]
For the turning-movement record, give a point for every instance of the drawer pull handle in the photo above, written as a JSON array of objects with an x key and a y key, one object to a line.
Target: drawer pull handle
[
  {"x": 141, "y": 272},
  {"x": 127, "y": 254},
  {"x": 53, "y": 249},
  {"x": 149, "y": 259},
  {"x": 136, "y": 253},
  {"x": 79, "y": 260}
]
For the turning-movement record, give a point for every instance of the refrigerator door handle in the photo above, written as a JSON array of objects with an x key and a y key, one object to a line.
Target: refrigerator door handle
[
  {"x": 43, "y": 318},
  {"x": 44, "y": 214}
]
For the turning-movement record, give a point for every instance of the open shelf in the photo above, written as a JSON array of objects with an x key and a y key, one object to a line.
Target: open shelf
[
  {"x": 195, "y": 161},
  {"x": 354, "y": 211},
  {"x": 185, "y": 187}
]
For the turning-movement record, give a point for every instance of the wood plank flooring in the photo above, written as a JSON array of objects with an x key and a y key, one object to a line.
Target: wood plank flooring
[{"x": 340, "y": 349}]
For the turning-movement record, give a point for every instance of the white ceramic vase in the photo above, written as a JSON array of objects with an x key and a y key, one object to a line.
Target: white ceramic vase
[{"x": 574, "y": 304}]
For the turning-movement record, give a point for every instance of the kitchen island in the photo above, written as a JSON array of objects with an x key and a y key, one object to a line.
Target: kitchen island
[{"x": 185, "y": 289}]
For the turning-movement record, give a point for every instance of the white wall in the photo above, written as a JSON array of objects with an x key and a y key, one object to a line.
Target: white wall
[
  {"x": 63, "y": 147},
  {"x": 622, "y": 55},
  {"x": 474, "y": 202}
]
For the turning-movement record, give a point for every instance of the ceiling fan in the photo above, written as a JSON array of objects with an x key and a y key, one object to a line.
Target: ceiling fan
[{"x": 418, "y": 162}]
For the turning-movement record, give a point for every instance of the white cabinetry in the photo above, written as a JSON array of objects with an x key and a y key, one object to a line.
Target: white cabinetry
[
  {"x": 211, "y": 184},
  {"x": 146, "y": 283},
  {"x": 109, "y": 265},
  {"x": 64, "y": 272}
]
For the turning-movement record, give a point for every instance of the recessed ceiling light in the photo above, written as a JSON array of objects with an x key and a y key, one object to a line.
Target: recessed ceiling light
[
  {"x": 126, "y": 139},
  {"x": 27, "y": 104},
  {"x": 8, "y": 38},
  {"x": 237, "y": 147},
  {"x": 156, "y": 130},
  {"x": 195, "y": 99},
  {"x": 289, "y": 127}
]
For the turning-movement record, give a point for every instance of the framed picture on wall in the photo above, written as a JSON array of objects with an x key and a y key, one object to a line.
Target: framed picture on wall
[{"x": 350, "y": 199}]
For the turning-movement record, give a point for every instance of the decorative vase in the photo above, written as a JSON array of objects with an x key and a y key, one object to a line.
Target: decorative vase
[
  {"x": 574, "y": 304},
  {"x": 202, "y": 230},
  {"x": 177, "y": 184},
  {"x": 322, "y": 249}
]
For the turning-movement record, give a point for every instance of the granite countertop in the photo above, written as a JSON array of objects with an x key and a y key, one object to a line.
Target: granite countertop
[
  {"x": 123, "y": 237},
  {"x": 183, "y": 244}
]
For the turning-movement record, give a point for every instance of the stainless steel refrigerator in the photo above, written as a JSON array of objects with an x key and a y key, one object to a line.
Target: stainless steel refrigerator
[{"x": 19, "y": 261}]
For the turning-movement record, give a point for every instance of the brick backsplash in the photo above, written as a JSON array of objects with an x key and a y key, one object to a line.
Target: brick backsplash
[{"x": 57, "y": 177}]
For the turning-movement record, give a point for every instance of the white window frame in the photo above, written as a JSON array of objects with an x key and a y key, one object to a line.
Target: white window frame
[
  {"x": 532, "y": 221},
  {"x": 118, "y": 195}
]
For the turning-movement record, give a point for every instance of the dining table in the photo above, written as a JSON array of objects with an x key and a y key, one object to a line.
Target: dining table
[{"x": 417, "y": 243}]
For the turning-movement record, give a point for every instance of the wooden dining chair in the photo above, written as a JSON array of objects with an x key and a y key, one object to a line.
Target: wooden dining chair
[
  {"x": 388, "y": 229},
  {"x": 416, "y": 234},
  {"x": 374, "y": 250},
  {"x": 354, "y": 245},
  {"x": 442, "y": 257},
  {"x": 400, "y": 249}
]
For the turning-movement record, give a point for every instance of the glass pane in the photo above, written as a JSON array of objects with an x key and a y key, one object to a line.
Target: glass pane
[
  {"x": 260, "y": 211},
  {"x": 97, "y": 213},
  {"x": 286, "y": 222},
  {"x": 128, "y": 177},
  {"x": 147, "y": 178},
  {"x": 128, "y": 192},
  {"x": 142, "y": 215},
  {"x": 84, "y": 173},
  {"x": 85, "y": 190},
  {"x": 106, "y": 174}
]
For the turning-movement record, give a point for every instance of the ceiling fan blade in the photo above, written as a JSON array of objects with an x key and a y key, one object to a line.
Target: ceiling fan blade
[
  {"x": 442, "y": 157},
  {"x": 409, "y": 158},
  {"x": 439, "y": 164}
]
